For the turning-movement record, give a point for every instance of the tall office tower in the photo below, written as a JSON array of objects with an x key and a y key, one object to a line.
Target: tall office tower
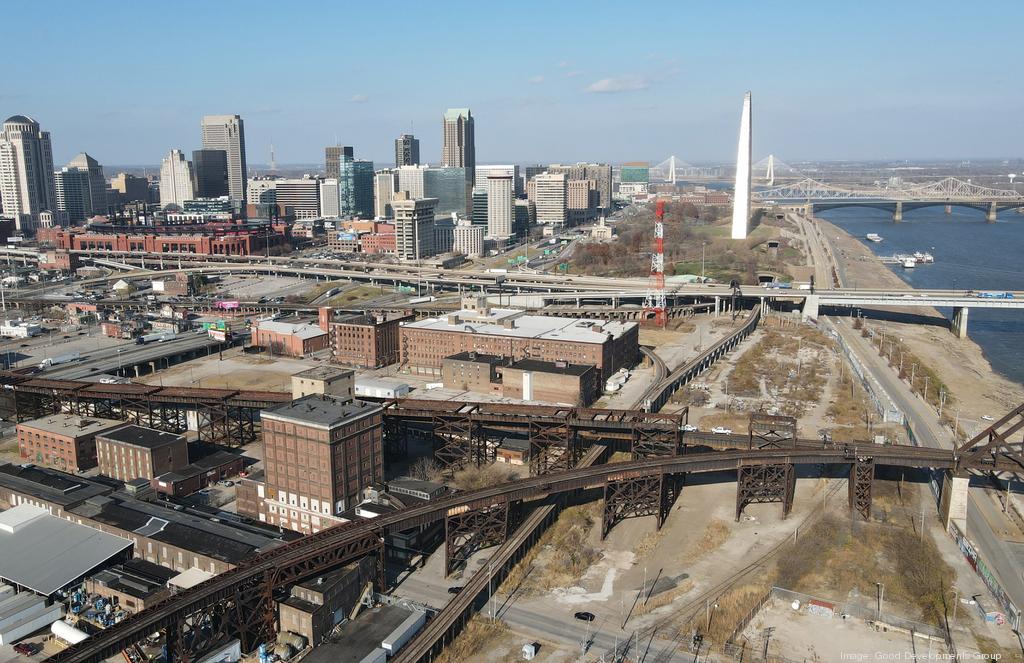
[
  {"x": 298, "y": 197},
  {"x": 478, "y": 211},
  {"x": 176, "y": 180},
  {"x": 26, "y": 171},
  {"x": 600, "y": 173},
  {"x": 385, "y": 183},
  {"x": 451, "y": 189},
  {"x": 414, "y": 226},
  {"x": 529, "y": 172},
  {"x": 550, "y": 198},
  {"x": 407, "y": 151},
  {"x": 525, "y": 215},
  {"x": 500, "y": 203},
  {"x": 97, "y": 183},
  {"x": 356, "y": 185},
  {"x": 334, "y": 156},
  {"x": 581, "y": 201},
  {"x": 410, "y": 180},
  {"x": 129, "y": 188},
  {"x": 741, "y": 195},
  {"x": 227, "y": 132},
  {"x": 483, "y": 172},
  {"x": 74, "y": 198},
  {"x": 459, "y": 150},
  {"x": 211, "y": 168},
  {"x": 330, "y": 197}
]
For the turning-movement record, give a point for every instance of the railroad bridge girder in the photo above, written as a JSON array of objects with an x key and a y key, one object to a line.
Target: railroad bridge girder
[
  {"x": 638, "y": 496},
  {"x": 862, "y": 478},
  {"x": 763, "y": 483},
  {"x": 553, "y": 446},
  {"x": 467, "y": 531}
]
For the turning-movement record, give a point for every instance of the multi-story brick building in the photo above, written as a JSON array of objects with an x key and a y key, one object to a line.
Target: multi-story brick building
[
  {"x": 134, "y": 452},
  {"x": 292, "y": 339},
  {"x": 512, "y": 333},
  {"x": 227, "y": 238},
  {"x": 320, "y": 453},
  {"x": 366, "y": 341},
  {"x": 526, "y": 379},
  {"x": 64, "y": 441},
  {"x": 317, "y": 605}
]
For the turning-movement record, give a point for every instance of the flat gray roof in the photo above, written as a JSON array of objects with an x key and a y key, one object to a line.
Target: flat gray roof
[
  {"x": 321, "y": 410},
  {"x": 45, "y": 553},
  {"x": 323, "y": 373},
  {"x": 71, "y": 425},
  {"x": 493, "y": 323}
]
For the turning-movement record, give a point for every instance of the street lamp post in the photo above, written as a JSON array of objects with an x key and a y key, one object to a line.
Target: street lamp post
[
  {"x": 880, "y": 590},
  {"x": 702, "y": 246}
]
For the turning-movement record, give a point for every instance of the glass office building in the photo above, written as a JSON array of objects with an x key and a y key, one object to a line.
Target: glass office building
[
  {"x": 450, "y": 187},
  {"x": 355, "y": 185}
]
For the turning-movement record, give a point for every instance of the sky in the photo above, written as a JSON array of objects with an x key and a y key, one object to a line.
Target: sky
[{"x": 554, "y": 80}]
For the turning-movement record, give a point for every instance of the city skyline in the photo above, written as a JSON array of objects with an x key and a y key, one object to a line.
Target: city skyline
[{"x": 563, "y": 103}]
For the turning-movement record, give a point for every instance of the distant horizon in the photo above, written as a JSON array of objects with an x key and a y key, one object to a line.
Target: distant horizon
[{"x": 827, "y": 80}]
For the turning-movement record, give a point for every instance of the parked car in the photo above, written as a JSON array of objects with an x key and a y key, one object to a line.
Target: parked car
[
  {"x": 721, "y": 430},
  {"x": 585, "y": 616},
  {"x": 27, "y": 648},
  {"x": 689, "y": 428},
  {"x": 454, "y": 590}
]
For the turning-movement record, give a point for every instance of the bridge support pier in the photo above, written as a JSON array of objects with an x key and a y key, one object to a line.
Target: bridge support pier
[
  {"x": 953, "y": 503},
  {"x": 862, "y": 477},
  {"x": 635, "y": 497},
  {"x": 718, "y": 303},
  {"x": 897, "y": 215},
  {"x": 958, "y": 324},
  {"x": 992, "y": 214},
  {"x": 468, "y": 531},
  {"x": 949, "y": 209},
  {"x": 810, "y": 309},
  {"x": 654, "y": 442},
  {"x": 763, "y": 484},
  {"x": 553, "y": 447}
]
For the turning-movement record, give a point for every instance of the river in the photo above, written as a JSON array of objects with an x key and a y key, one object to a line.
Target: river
[{"x": 970, "y": 254}]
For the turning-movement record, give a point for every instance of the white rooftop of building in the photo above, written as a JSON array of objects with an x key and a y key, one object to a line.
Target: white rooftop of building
[
  {"x": 190, "y": 578},
  {"x": 45, "y": 553},
  {"x": 303, "y": 330},
  {"x": 517, "y": 324}
]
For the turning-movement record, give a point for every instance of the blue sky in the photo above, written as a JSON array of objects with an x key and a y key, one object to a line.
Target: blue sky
[{"x": 547, "y": 81}]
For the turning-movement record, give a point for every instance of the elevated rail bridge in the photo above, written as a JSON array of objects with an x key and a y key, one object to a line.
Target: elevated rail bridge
[{"x": 240, "y": 604}]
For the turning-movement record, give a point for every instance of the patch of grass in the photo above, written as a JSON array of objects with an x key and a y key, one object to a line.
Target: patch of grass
[
  {"x": 479, "y": 635},
  {"x": 474, "y": 478},
  {"x": 321, "y": 288},
  {"x": 354, "y": 295},
  {"x": 566, "y": 554},
  {"x": 714, "y": 535}
]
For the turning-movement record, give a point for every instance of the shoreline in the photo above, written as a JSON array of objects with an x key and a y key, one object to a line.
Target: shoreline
[{"x": 961, "y": 363}]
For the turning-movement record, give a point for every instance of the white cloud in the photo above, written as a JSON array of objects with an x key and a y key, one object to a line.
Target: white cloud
[
  {"x": 573, "y": 74},
  {"x": 628, "y": 83},
  {"x": 359, "y": 98},
  {"x": 536, "y": 80}
]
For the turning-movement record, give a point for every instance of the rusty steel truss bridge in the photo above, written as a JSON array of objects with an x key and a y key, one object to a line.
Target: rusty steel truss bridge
[{"x": 240, "y": 604}]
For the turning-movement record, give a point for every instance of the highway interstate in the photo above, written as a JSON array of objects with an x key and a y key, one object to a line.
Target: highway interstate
[{"x": 244, "y": 594}]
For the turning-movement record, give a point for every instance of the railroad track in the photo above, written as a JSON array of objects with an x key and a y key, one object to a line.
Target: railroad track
[{"x": 347, "y": 542}]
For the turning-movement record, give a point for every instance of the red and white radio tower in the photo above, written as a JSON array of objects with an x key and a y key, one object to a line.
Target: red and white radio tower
[{"x": 655, "y": 301}]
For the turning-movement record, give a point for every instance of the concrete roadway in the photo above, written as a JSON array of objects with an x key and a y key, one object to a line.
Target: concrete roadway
[
  {"x": 108, "y": 360},
  {"x": 1001, "y": 556}
]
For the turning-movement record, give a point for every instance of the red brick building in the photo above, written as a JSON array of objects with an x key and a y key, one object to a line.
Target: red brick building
[
  {"x": 290, "y": 339},
  {"x": 320, "y": 453},
  {"x": 218, "y": 238},
  {"x": 135, "y": 452},
  {"x": 66, "y": 442},
  {"x": 364, "y": 341}
]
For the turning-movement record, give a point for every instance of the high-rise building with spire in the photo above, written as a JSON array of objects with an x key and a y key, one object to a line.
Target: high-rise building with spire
[{"x": 459, "y": 146}]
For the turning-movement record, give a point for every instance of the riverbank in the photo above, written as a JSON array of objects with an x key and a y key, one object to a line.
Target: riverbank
[{"x": 979, "y": 391}]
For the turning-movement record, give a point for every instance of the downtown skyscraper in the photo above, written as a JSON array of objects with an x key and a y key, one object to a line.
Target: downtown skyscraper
[
  {"x": 459, "y": 145},
  {"x": 26, "y": 171},
  {"x": 407, "y": 151},
  {"x": 227, "y": 132}
]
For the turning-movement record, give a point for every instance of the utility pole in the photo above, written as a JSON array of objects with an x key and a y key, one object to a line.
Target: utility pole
[{"x": 880, "y": 588}]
